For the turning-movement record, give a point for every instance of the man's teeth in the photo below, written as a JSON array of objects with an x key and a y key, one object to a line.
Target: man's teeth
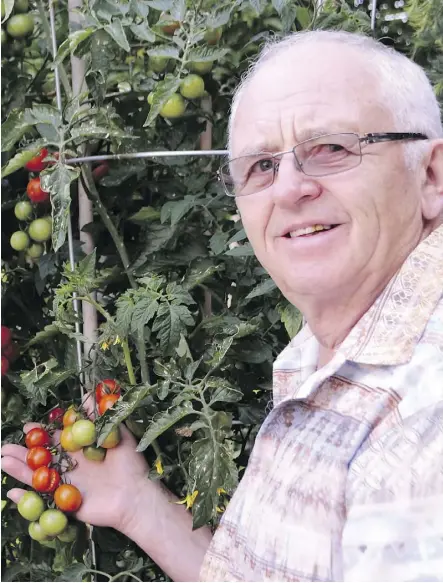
[{"x": 308, "y": 230}]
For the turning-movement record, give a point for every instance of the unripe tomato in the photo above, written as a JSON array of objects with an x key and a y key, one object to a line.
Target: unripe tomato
[
  {"x": 158, "y": 64},
  {"x": 19, "y": 241},
  {"x": 69, "y": 534},
  {"x": 56, "y": 415},
  {"x": 5, "y": 366},
  {"x": 170, "y": 25},
  {"x": 67, "y": 440},
  {"x": 7, "y": 337},
  {"x": 40, "y": 230},
  {"x": 192, "y": 87},
  {"x": 36, "y": 164},
  {"x": 94, "y": 454},
  {"x": 68, "y": 498},
  {"x": 35, "y": 192},
  {"x": 107, "y": 402},
  {"x": 213, "y": 35},
  {"x": 201, "y": 67},
  {"x": 53, "y": 522},
  {"x": 4, "y": 37},
  {"x": 174, "y": 107},
  {"x": 20, "y": 25},
  {"x": 38, "y": 457},
  {"x": 45, "y": 479},
  {"x": 37, "y": 436},
  {"x": 71, "y": 416},
  {"x": 23, "y": 210},
  {"x": 106, "y": 387},
  {"x": 83, "y": 432},
  {"x": 36, "y": 532},
  {"x": 34, "y": 251},
  {"x": 113, "y": 439},
  {"x": 21, "y": 5},
  {"x": 150, "y": 97},
  {"x": 31, "y": 506}
]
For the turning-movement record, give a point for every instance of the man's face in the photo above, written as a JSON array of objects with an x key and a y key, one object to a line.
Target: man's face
[{"x": 376, "y": 205}]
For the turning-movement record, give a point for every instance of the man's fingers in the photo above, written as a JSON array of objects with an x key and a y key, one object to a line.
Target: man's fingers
[
  {"x": 16, "y": 451},
  {"x": 28, "y": 426},
  {"x": 89, "y": 404},
  {"x": 15, "y": 494},
  {"x": 17, "y": 469}
]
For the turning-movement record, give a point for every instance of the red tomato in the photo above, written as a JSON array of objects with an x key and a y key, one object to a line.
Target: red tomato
[
  {"x": 37, "y": 437},
  {"x": 106, "y": 387},
  {"x": 70, "y": 416},
  {"x": 68, "y": 498},
  {"x": 36, "y": 164},
  {"x": 5, "y": 366},
  {"x": 45, "y": 479},
  {"x": 56, "y": 415},
  {"x": 6, "y": 337},
  {"x": 35, "y": 192},
  {"x": 107, "y": 402},
  {"x": 100, "y": 171},
  {"x": 11, "y": 351},
  {"x": 38, "y": 457}
]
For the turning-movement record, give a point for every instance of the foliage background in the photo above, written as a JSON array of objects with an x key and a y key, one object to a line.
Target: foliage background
[{"x": 189, "y": 323}]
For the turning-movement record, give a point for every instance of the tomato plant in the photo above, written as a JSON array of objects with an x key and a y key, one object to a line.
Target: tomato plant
[
  {"x": 68, "y": 498},
  {"x": 31, "y": 506},
  {"x": 38, "y": 457},
  {"x": 35, "y": 192},
  {"x": 53, "y": 522},
  {"x": 37, "y": 163},
  {"x": 106, "y": 387},
  {"x": 45, "y": 479},
  {"x": 37, "y": 436}
]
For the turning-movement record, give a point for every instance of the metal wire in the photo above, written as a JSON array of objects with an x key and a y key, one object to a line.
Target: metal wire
[
  {"x": 373, "y": 14},
  {"x": 152, "y": 154}
]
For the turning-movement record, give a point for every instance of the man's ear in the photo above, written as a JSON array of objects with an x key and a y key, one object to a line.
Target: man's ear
[{"x": 432, "y": 187}]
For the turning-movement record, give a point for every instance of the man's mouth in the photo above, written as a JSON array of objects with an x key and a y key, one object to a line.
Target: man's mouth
[{"x": 309, "y": 231}]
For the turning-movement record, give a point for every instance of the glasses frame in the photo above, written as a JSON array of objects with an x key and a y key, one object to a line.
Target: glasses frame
[{"x": 370, "y": 138}]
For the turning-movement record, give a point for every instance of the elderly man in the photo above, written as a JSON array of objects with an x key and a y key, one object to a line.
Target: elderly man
[{"x": 337, "y": 167}]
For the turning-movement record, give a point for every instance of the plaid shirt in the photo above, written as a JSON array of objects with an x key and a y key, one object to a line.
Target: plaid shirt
[{"x": 345, "y": 481}]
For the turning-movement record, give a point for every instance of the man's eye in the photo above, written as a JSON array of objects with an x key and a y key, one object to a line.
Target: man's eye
[{"x": 264, "y": 165}]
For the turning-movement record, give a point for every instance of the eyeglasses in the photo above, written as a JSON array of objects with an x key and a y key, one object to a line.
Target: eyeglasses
[{"x": 319, "y": 156}]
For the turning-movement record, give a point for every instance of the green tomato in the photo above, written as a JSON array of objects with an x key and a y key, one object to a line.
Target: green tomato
[
  {"x": 113, "y": 439},
  {"x": 4, "y": 37},
  {"x": 158, "y": 64},
  {"x": 69, "y": 534},
  {"x": 94, "y": 454},
  {"x": 213, "y": 35},
  {"x": 83, "y": 432},
  {"x": 174, "y": 107},
  {"x": 19, "y": 241},
  {"x": 192, "y": 87},
  {"x": 36, "y": 532},
  {"x": 35, "y": 251},
  {"x": 23, "y": 210},
  {"x": 20, "y": 25},
  {"x": 40, "y": 230},
  {"x": 53, "y": 522},
  {"x": 31, "y": 506},
  {"x": 21, "y": 5},
  {"x": 201, "y": 67}
]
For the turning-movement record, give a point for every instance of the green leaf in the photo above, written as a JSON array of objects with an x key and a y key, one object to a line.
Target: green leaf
[
  {"x": 116, "y": 31},
  {"x": 291, "y": 317},
  {"x": 37, "y": 382},
  {"x": 205, "y": 54},
  {"x": 123, "y": 317},
  {"x": 43, "y": 114},
  {"x": 48, "y": 332},
  {"x": 170, "y": 321},
  {"x": 143, "y": 32},
  {"x": 160, "y": 4},
  {"x": 222, "y": 391},
  {"x": 220, "y": 349},
  {"x": 263, "y": 288},
  {"x": 9, "y": 6},
  {"x": 163, "y": 91},
  {"x": 169, "y": 51},
  {"x": 92, "y": 131},
  {"x": 144, "y": 310},
  {"x": 13, "y": 129},
  {"x": 239, "y": 236},
  {"x": 200, "y": 273},
  {"x": 21, "y": 158},
  {"x": 71, "y": 43},
  {"x": 145, "y": 214},
  {"x": 177, "y": 209},
  {"x": 57, "y": 181},
  {"x": 74, "y": 572},
  {"x": 245, "y": 250},
  {"x": 218, "y": 242},
  {"x": 163, "y": 421},
  {"x": 304, "y": 16}
]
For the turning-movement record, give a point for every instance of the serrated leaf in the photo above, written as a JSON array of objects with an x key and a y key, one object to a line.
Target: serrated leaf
[
  {"x": 71, "y": 43},
  {"x": 263, "y": 288},
  {"x": 218, "y": 242},
  {"x": 291, "y": 317},
  {"x": 145, "y": 214},
  {"x": 74, "y": 572},
  {"x": 245, "y": 250},
  {"x": 21, "y": 158},
  {"x": 205, "y": 54},
  {"x": 220, "y": 350},
  {"x": 177, "y": 209},
  {"x": 221, "y": 391},
  {"x": 239, "y": 236},
  {"x": 219, "y": 17},
  {"x": 57, "y": 181},
  {"x": 143, "y": 32},
  {"x": 144, "y": 310},
  {"x": 13, "y": 129},
  {"x": 303, "y": 16},
  {"x": 199, "y": 274},
  {"x": 43, "y": 114},
  {"x": 163, "y": 421},
  {"x": 163, "y": 91},
  {"x": 48, "y": 331},
  {"x": 170, "y": 321},
  {"x": 37, "y": 382},
  {"x": 164, "y": 51},
  {"x": 93, "y": 131},
  {"x": 117, "y": 32}
]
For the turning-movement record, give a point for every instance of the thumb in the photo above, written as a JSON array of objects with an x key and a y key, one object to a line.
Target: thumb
[{"x": 15, "y": 494}]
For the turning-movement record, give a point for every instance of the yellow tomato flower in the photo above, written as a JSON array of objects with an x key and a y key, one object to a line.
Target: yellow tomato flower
[
  {"x": 159, "y": 466},
  {"x": 104, "y": 346},
  {"x": 189, "y": 499}
]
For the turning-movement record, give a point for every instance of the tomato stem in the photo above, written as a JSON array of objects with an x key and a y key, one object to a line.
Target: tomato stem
[{"x": 128, "y": 362}]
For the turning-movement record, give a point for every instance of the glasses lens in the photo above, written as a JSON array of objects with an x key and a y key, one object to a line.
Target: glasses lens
[
  {"x": 247, "y": 174},
  {"x": 329, "y": 154}
]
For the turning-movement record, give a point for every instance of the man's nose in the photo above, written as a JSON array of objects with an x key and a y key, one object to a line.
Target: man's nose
[{"x": 291, "y": 186}]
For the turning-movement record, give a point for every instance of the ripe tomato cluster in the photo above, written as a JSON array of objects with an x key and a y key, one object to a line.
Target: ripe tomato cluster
[{"x": 9, "y": 350}]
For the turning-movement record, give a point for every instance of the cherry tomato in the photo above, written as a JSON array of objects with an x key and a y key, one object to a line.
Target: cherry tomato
[
  {"x": 112, "y": 440},
  {"x": 30, "y": 506},
  {"x": 106, "y": 387},
  {"x": 68, "y": 498},
  {"x": 35, "y": 192},
  {"x": 20, "y": 25},
  {"x": 6, "y": 337},
  {"x": 23, "y": 210},
  {"x": 107, "y": 402},
  {"x": 71, "y": 416},
  {"x": 19, "y": 241},
  {"x": 34, "y": 251},
  {"x": 213, "y": 35},
  {"x": 5, "y": 366},
  {"x": 56, "y": 415},
  {"x": 100, "y": 171},
  {"x": 170, "y": 25},
  {"x": 94, "y": 454},
  {"x": 158, "y": 64},
  {"x": 174, "y": 107},
  {"x": 36, "y": 532},
  {"x": 192, "y": 86},
  {"x": 67, "y": 440},
  {"x": 83, "y": 432},
  {"x": 36, "y": 164},
  {"x": 40, "y": 229},
  {"x": 11, "y": 351},
  {"x": 69, "y": 534},
  {"x": 201, "y": 67},
  {"x": 38, "y": 457},
  {"x": 37, "y": 436},
  {"x": 45, "y": 479},
  {"x": 53, "y": 522}
]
